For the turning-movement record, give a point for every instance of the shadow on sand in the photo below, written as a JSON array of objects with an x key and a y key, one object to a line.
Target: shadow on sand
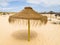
[{"x": 23, "y": 35}]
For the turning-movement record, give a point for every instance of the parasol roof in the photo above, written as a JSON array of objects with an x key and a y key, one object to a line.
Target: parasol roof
[
  {"x": 30, "y": 14},
  {"x": 27, "y": 13}
]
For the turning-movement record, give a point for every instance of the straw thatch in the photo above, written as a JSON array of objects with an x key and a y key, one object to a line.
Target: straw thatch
[{"x": 28, "y": 13}]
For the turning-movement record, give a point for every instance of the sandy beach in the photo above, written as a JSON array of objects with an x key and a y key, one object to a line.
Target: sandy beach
[{"x": 48, "y": 34}]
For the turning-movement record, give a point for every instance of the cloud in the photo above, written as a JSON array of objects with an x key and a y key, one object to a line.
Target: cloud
[
  {"x": 3, "y": 4},
  {"x": 6, "y": 2},
  {"x": 38, "y": 2},
  {"x": 45, "y": 2},
  {"x": 9, "y": 9},
  {"x": 34, "y": 1}
]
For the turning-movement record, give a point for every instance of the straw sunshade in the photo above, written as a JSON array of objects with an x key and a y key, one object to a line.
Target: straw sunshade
[{"x": 29, "y": 14}]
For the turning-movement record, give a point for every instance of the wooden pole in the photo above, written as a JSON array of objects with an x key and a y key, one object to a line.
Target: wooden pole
[{"x": 28, "y": 30}]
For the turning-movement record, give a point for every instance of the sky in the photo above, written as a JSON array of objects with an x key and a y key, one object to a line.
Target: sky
[{"x": 37, "y": 5}]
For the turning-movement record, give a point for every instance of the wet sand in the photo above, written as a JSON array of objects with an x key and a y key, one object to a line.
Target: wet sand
[{"x": 48, "y": 34}]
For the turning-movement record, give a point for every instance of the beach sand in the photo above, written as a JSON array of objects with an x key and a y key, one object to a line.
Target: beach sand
[{"x": 48, "y": 34}]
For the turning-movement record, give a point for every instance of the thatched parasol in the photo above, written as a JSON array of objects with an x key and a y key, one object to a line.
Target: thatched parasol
[{"x": 29, "y": 14}]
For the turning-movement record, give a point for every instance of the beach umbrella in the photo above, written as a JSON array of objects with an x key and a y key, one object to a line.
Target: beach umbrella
[{"x": 28, "y": 14}]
